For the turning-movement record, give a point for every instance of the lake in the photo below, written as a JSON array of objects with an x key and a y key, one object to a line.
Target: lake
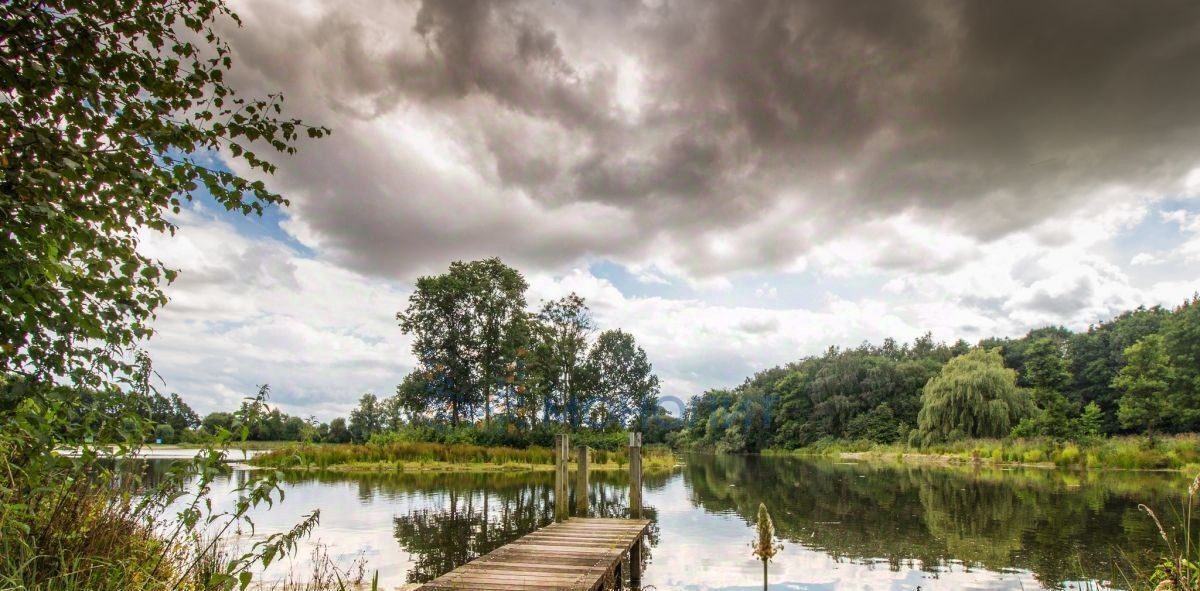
[{"x": 843, "y": 525}]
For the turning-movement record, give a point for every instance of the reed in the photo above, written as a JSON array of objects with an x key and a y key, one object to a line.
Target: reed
[{"x": 406, "y": 456}]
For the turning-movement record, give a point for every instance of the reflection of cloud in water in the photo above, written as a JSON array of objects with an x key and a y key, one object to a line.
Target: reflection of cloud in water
[
  {"x": 860, "y": 526},
  {"x": 702, "y": 551}
]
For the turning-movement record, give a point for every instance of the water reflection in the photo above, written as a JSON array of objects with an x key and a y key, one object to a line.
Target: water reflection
[
  {"x": 464, "y": 516},
  {"x": 845, "y": 526},
  {"x": 1059, "y": 526}
]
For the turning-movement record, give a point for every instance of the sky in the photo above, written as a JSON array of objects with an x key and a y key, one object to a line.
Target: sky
[{"x": 736, "y": 184}]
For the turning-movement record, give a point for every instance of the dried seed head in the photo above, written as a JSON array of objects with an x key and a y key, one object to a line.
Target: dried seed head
[{"x": 1162, "y": 532}]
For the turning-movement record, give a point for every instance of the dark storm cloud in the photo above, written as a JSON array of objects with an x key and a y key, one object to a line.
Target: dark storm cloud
[{"x": 645, "y": 132}]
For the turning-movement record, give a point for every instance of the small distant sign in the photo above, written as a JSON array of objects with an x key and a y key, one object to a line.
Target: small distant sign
[{"x": 158, "y": 441}]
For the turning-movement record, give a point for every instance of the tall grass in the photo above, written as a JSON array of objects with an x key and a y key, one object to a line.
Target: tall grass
[
  {"x": 325, "y": 456},
  {"x": 376, "y": 455},
  {"x": 1179, "y": 569}
]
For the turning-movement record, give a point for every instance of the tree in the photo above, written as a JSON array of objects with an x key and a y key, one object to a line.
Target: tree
[
  {"x": 164, "y": 433},
  {"x": 391, "y": 413},
  {"x": 1181, "y": 337},
  {"x": 624, "y": 387},
  {"x": 217, "y": 422},
  {"x": 1144, "y": 384},
  {"x": 973, "y": 396},
  {"x": 460, "y": 320},
  {"x": 497, "y": 300},
  {"x": 367, "y": 418},
  {"x": 559, "y": 359},
  {"x": 110, "y": 112},
  {"x": 1098, "y": 354},
  {"x": 1047, "y": 373},
  {"x": 338, "y": 433}
]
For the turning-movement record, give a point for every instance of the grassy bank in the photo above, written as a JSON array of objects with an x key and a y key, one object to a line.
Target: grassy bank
[
  {"x": 1178, "y": 452},
  {"x": 434, "y": 457}
]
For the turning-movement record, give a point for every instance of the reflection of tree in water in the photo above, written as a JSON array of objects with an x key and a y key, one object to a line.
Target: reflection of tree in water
[
  {"x": 1059, "y": 525},
  {"x": 469, "y": 515},
  {"x": 470, "y": 524}
]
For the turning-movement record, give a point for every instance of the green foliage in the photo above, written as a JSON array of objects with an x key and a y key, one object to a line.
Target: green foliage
[
  {"x": 1144, "y": 383},
  {"x": 1179, "y": 568},
  {"x": 1181, "y": 338},
  {"x": 461, "y": 322},
  {"x": 973, "y": 396},
  {"x": 624, "y": 387},
  {"x": 841, "y": 395},
  {"x": 111, "y": 110},
  {"x": 481, "y": 353},
  {"x": 367, "y": 419}
]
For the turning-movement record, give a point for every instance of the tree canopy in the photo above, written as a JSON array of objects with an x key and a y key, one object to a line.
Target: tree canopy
[
  {"x": 974, "y": 395},
  {"x": 112, "y": 111}
]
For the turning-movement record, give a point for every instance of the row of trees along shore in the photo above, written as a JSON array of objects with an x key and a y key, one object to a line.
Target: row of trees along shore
[
  {"x": 1138, "y": 373},
  {"x": 489, "y": 371}
]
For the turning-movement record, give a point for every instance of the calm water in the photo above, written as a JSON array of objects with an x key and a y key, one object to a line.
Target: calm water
[{"x": 843, "y": 525}]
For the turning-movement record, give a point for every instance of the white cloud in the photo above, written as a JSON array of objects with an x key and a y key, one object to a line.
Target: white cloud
[
  {"x": 248, "y": 311},
  {"x": 251, "y": 310}
]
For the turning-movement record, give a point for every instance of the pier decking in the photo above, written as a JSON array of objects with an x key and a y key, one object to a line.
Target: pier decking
[{"x": 577, "y": 555}]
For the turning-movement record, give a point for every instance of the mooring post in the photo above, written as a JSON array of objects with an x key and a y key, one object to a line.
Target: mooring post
[
  {"x": 635, "y": 506},
  {"x": 635, "y": 475},
  {"x": 561, "y": 489},
  {"x": 581, "y": 482}
]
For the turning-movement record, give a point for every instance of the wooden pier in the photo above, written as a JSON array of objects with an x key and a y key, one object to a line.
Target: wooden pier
[
  {"x": 573, "y": 554},
  {"x": 577, "y": 555}
]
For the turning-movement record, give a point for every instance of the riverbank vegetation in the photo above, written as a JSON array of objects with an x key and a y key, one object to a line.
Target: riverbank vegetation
[
  {"x": 1169, "y": 452},
  {"x": 1118, "y": 395},
  {"x": 418, "y": 457}
]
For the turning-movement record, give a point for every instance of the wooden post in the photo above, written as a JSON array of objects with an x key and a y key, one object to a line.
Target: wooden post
[
  {"x": 635, "y": 506},
  {"x": 561, "y": 488},
  {"x": 635, "y": 475},
  {"x": 635, "y": 564},
  {"x": 581, "y": 482}
]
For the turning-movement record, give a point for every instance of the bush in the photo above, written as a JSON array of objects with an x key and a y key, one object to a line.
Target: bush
[
  {"x": 1069, "y": 455},
  {"x": 165, "y": 434}
]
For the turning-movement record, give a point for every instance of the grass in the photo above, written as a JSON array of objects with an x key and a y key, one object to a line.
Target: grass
[
  {"x": 434, "y": 457},
  {"x": 91, "y": 526},
  {"x": 1177, "y": 452},
  {"x": 1179, "y": 568}
]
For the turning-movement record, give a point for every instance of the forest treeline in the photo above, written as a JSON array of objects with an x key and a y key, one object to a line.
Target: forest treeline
[{"x": 1138, "y": 373}]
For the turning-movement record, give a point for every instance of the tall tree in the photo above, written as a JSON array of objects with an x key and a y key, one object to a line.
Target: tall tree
[
  {"x": 1144, "y": 384},
  {"x": 1047, "y": 374},
  {"x": 461, "y": 320},
  {"x": 973, "y": 396},
  {"x": 624, "y": 387},
  {"x": 367, "y": 418},
  {"x": 560, "y": 355},
  {"x": 497, "y": 300},
  {"x": 1181, "y": 337}
]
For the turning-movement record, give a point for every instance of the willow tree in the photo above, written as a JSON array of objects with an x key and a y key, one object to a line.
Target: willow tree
[{"x": 973, "y": 396}]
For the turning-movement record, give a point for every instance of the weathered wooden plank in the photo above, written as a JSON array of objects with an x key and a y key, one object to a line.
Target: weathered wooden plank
[{"x": 573, "y": 555}]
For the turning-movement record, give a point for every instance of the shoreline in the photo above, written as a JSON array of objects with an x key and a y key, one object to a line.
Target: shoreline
[
  {"x": 456, "y": 467},
  {"x": 1112, "y": 454}
]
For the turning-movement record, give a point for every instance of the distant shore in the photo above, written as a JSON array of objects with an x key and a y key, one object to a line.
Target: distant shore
[{"x": 1174, "y": 453}]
